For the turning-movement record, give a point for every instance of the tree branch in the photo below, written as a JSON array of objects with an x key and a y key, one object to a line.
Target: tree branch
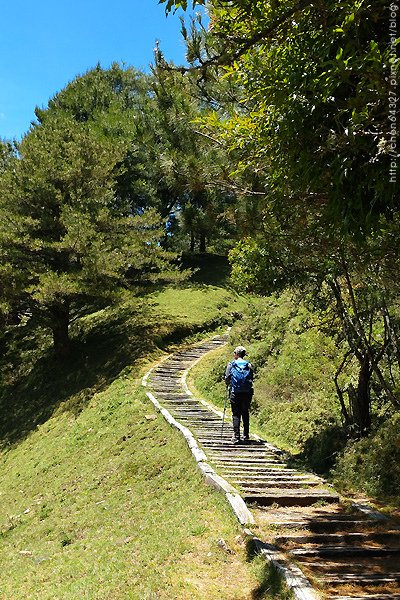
[
  {"x": 227, "y": 58},
  {"x": 338, "y": 388}
]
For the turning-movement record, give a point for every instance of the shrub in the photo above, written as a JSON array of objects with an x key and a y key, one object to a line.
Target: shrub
[{"x": 373, "y": 463}]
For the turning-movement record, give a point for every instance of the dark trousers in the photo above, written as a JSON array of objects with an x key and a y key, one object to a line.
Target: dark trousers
[{"x": 240, "y": 404}]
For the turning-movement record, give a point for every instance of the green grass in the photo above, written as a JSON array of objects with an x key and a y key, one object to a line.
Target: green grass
[
  {"x": 99, "y": 501},
  {"x": 373, "y": 464},
  {"x": 34, "y": 383},
  {"x": 109, "y": 504},
  {"x": 198, "y": 304}
]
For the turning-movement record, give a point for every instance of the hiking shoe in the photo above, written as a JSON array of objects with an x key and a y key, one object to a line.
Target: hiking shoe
[
  {"x": 246, "y": 439},
  {"x": 235, "y": 440}
]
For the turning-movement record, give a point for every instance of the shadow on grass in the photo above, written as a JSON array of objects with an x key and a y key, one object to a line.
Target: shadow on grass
[
  {"x": 320, "y": 450},
  {"x": 36, "y": 383},
  {"x": 209, "y": 269},
  {"x": 97, "y": 356},
  {"x": 271, "y": 585}
]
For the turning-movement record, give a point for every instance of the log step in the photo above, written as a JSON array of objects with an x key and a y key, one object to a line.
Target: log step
[
  {"x": 372, "y": 565},
  {"x": 257, "y": 487},
  {"x": 362, "y": 579},
  {"x": 290, "y": 497},
  {"x": 242, "y": 456},
  {"x": 255, "y": 451},
  {"x": 343, "y": 538},
  {"x": 367, "y": 597},
  {"x": 265, "y": 479},
  {"x": 322, "y": 526},
  {"x": 234, "y": 460},
  {"x": 244, "y": 470},
  {"x": 339, "y": 551}
]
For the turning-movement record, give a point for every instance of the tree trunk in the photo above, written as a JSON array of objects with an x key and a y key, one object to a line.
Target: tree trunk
[
  {"x": 60, "y": 324},
  {"x": 360, "y": 398},
  {"x": 202, "y": 247},
  {"x": 192, "y": 240}
]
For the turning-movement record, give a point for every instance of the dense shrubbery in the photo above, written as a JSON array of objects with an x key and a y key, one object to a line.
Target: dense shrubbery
[
  {"x": 294, "y": 404},
  {"x": 372, "y": 465}
]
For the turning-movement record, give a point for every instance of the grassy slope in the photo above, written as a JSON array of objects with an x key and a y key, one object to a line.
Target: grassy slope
[
  {"x": 97, "y": 499},
  {"x": 295, "y": 404}
]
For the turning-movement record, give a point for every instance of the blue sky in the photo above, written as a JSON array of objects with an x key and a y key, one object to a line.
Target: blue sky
[{"x": 45, "y": 44}]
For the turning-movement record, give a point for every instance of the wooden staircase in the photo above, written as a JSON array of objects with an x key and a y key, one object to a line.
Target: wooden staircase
[{"x": 346, "y": 556}]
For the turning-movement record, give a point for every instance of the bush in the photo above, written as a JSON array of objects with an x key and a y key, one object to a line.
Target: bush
[
  {"x": 295, "y": 404},
  {"x": 373, "y": 463}
]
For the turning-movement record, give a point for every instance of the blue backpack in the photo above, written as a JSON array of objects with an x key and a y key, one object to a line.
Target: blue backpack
[{"x": 241, "y": 376}]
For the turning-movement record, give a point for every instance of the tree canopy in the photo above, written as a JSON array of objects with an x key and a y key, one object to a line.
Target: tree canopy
[
  {"x": 67, "y": 237},
  {"x": 311, "y": 136}
]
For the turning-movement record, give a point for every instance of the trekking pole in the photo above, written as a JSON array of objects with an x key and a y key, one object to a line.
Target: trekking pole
[{"x": 223, "y": 416}]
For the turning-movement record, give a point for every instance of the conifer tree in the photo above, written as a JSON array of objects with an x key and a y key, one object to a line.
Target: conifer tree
[{"x": 65, "y": 234}]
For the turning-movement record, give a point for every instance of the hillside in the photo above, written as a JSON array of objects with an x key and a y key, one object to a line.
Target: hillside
[
  {"x": 99, "y": 497},
  {"x": 145, "y": 210},
  {"x": 295, "y": 405}
]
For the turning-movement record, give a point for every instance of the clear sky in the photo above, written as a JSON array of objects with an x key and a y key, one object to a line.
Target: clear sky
[{"x": 45, "y": 44}]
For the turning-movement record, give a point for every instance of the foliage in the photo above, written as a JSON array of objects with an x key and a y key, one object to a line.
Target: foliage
[
  {"x": 313, "y": 112},
  {"x": 259, "y": 267},
  {"x": 7, "y": 152},
  {"x": 353, "y": 292},
  {"x": 172, "y": 5},
  {"x": 67, "y": 237},
  {"x": 109, "y": 99},
  {"x": 294, "y": 402},
  {"x": 187, "y": 168},
  {"x": 166, "y": 163},
  {"x": 372, "y": 465},
  {"x": 312, "y": 138}
]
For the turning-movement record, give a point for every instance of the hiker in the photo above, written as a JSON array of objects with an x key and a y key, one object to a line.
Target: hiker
[{"x": 239, "y": 379}]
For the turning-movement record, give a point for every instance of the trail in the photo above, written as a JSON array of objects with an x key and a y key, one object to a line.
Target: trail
[{"x": 306, "y": 531}]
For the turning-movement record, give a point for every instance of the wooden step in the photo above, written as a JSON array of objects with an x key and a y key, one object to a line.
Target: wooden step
[
  {"x": 250, "y": 446},
  {"x": 239, "y": 454},
  {"x": 253, "y": 461},
  {"x": 290, "y": 497},
  {"x": 367, "y": 597},
  {"x": 239, "y": 449},
  {"x": 358, "y": 579},
  {"x": 275, "y": 488},
  {"x": 378, "y": 565},
  {"x": 345, "y": 551},
  {"x": 320, "y": 526},
  {"x": 343, "y": 538},
  {"x": 272, "y": 479},
  {"x": 246, "y": 470}
]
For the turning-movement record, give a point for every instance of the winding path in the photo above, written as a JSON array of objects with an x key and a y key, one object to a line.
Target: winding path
[{"x": 309, "y": 535}]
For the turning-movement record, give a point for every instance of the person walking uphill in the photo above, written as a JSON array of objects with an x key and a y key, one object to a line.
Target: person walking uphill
[{"x": 239, "y": 379}]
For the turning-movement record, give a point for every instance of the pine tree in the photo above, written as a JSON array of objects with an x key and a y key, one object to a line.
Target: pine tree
[{"x": 66, "y": 237}]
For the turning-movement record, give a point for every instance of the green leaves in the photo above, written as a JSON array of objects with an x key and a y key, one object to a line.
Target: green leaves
[
  {"x": 315, "y": 87},
  {"x": 173, "y": 5}
]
